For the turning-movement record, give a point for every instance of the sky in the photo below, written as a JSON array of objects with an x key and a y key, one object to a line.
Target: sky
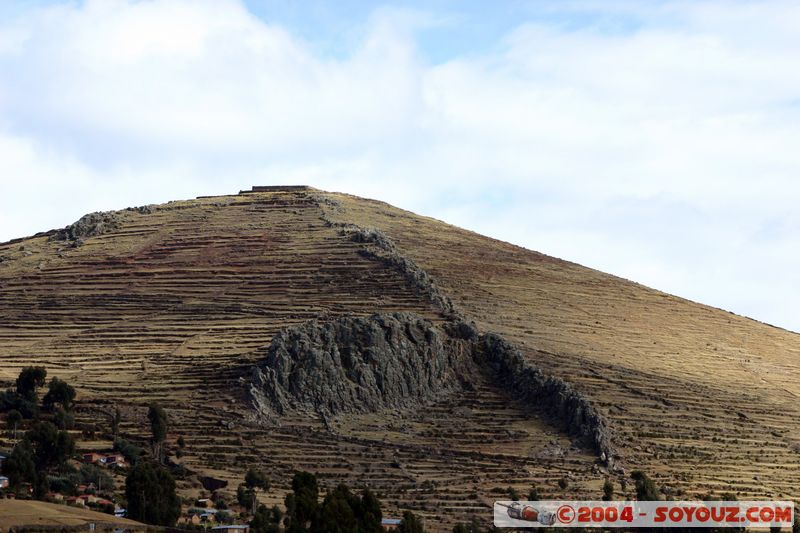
[{"x": 655, "y": 140}]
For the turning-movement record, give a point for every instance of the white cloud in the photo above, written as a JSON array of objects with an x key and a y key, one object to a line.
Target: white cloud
[{"x": 664, "y": 153}]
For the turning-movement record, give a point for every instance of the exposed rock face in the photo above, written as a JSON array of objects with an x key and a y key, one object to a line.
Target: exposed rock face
[
  {"x": 528, "y": 383},
  {"x": 89, "y": 225},
  {"x": 381, "y": 248},
  {"x": 359, "y": 364}
]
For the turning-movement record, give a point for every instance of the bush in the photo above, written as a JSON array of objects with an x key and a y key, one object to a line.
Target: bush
[
  {"x": 410, "y": 524},
  {"x": 608, "y": 490},
  {"x": 645, "y": 488}
]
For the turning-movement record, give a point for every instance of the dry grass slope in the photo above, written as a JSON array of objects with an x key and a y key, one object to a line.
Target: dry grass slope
[{"x": 32, "y": 514}]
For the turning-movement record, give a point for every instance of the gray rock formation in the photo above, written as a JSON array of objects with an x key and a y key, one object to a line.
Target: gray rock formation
[
  {"x": 359, "y": 364},
  {"x": 89, "y": 225},
  {"x": 381, "y": 248},
  {"x": 527, "y": 383}
]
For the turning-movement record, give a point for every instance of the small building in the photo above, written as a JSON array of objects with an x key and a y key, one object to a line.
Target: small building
[
  {"x": 74, "y": 500},
  {"x": 207, "y": 517},
  {"x": 232, "y": 529},
  {"x": 114, "y": 459},
  {"x": 92, "y": 458},
  {"x": 3, "y": 482},
  {"x": 191, "y": 519},
  {"x": 390, "y": 523}
]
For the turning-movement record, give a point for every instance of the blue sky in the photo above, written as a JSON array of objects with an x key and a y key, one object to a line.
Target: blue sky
[{"x": 653, "y": 140}]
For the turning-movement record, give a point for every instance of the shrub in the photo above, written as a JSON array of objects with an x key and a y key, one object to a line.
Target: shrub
[{"x": 645, "y": 488}]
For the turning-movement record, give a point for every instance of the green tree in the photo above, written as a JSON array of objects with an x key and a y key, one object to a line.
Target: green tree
[
  {"x": 51, "y": 447},
  {"x": 99, "y": 476},
  {"x": 302, "y": 503},
  {"x": 116, "y": 419},
  {"x": 150, "y": 492},
  {"x": 369, "y": 515},
  {"x": 337, "y": 513},
  {"x": 244, "y": 496},
  {"x": 30, "y": 379},
  {"x": 158, "y": 427},
  {"x": 645, "y": 488},
  {"x": 43, "y": 449},
  {"x": 13, "y": 419},
  {"x": 266, "y": 520},
  {"x": 20, "y": 466},
  {"x": 59, "y": 392},
  {"x": 410, "y": 524},
  {"x": 255, "y": 479},
  {"x": 63, "y": 419},
  {"x": 608, "y": 490},
  {"x": 533, "y": 494}
]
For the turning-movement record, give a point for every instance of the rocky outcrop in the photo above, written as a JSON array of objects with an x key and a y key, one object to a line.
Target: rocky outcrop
[
  {"x": 359, "y": 364},
  {"x": 381, "y": 248},
  {"x": 527, "y": 383},
  {"x": 89, "y": 225}
]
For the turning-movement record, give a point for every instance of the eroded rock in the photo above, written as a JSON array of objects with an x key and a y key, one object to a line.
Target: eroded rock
[
  {"x": 360, "y": 364},
  {"x": 90, "y": 225}
]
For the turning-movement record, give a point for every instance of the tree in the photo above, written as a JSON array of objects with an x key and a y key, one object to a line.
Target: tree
[
  {"x": 20, "y": 466},
  {"x": 99, "y": 476},
  {"x": 116, "y": 419},
  {"x": 51, "y": 447},
  {"x": 301, "y": 503},
  {"x": 645, "y": 488},
  {"x": 13, "y": 418},
  {"x": 533, "y": 494},
  {"x": 608, "y": 490},
  {"x": 266, "y": 520},
  {"x": 42, "y": 449},
  {"x": 471, "y": 527},
  {"x": 410, "y": 524},
  {"x": 370, "y": 515},
  {"x": 63, "y": 419},
  {"x": 337, "y": 513},
  {"x": 60, "y": 392},
  {"x": 158, "y": 427},
  {"x": 255, "y": 479},
  {"x": 344, "y": 512},
  {"x": 245, "y": 497},
  {"x": 31, "y": 378},
  {"x": 150, "y": 492}
]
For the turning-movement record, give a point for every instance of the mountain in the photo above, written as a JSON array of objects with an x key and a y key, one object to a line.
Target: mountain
[{"x": 295, "y": 329}]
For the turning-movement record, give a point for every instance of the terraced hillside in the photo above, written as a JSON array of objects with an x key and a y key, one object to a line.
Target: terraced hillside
[
  {"x": 177, "y": 302},
  {"x": 704, "y": 399}
]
